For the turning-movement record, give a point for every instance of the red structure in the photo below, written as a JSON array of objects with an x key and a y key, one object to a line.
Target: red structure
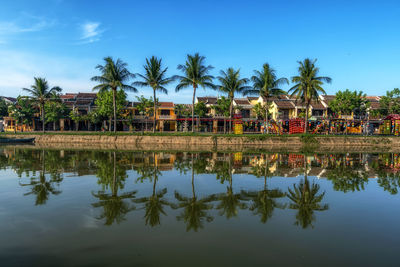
[{"x": 296, "y": 126}]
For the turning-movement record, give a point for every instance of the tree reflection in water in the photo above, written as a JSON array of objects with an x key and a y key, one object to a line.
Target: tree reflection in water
[
  {"x": 229, "y": 202},
  {"x": 114, "y": 205},
  {"x": 154, "y": 204},
  {"x": 43, "y": 186},
  {"x": 306, "y": 200},
  {"x": 264, "y": 201},
  {"x": 195, "y": 209}
]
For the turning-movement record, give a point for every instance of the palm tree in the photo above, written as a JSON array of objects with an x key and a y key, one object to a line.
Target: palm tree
[
  {"x": 114, "y": 74},
  {"x": 266, "y": 84},
  {"x": 308, "y": 85},
  {"x": 231, "y": 83},
  {"x": 41, "y": 93},
  {"x": 195, "y": 74},
  {"x": 154, "y": 78}
]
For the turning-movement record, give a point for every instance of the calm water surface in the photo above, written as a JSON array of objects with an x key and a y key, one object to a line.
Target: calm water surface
[{"x": 110, "y": 208}]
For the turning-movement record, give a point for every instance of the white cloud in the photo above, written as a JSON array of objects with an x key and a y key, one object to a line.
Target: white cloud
[{"x": 90, "y": 32}]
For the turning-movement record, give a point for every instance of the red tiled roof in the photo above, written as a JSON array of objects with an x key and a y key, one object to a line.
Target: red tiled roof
[
  {"x": 317, "y": 105},
  {"x": 242, "y": 101},
  {"x": 284, "y": 103},
  {"x": 375, "y": 105},
  {"x": 166, "y": 104},
  {"x": 86, "y": 95},
  {"x": 208, "y": 100}
]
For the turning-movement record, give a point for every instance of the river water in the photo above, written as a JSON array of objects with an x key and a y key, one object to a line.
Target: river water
[{"x": 112, "y": 208}]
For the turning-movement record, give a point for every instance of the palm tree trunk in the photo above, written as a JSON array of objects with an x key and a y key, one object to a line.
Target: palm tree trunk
[
  {"x": 42, "y": 107},
  {"x": 266, "y": 117},
  {"x": 194, "y": 95},
  {"x": 306, "y": 122},
  {"x": 109, "y": 125},
  {"x": 54, "y": 125},
  {"x": 230, "y": 115},
  {"x": 155, "y": 110}
]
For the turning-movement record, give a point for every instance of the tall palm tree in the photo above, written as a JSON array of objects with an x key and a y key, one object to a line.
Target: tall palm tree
[
  {"x": 266, "y": 84},
  {"x": 231, "y": 83},
  {"x": 114, "y": 74},
  {"x": 195, "y": 74},
  {"x": 308, "y": 85},
  {"x": 154, "y": 77},
  {"x": 41, "y": 93}
]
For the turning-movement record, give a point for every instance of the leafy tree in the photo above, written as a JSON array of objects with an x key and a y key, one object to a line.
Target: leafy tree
[
  {"x": 3, "y": 108},
  {"x": 222, "y": 108},
  {"x": 40, "y": 94},
  {"x": 195, "y": 74},
  {"x": 348, "y": 101},
  {"x": 231, "y": 83},
  {"x": 109, "y": 102},
  {"x": 114, "y": 75},
  {"x": 200, "y": 109},
  {"x": 55, "y": 110},
  {"x": 145, "y": 106},
  {"x": 76, "y": 117},
  {"x": 260, "y": 110},
  {"x": 181, "y": 110},
  {"x": 390, "y": 103},
  {"x": 154, "y": 77},
  {"x": 22, "y": 111},
  {"x": 266, "y": 84},
  {"x": 308, "y": 85}
]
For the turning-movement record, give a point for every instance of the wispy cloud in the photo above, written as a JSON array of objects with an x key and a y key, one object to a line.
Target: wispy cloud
[
  {"x": 90, "y": 32},
  {"x": 24, "y": 24}
]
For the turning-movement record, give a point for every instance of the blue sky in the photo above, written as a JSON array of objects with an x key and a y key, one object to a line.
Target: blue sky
[{"x": 356, "y": 42}]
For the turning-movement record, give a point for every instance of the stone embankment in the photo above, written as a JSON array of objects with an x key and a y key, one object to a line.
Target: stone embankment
[{"x": 171, "y": 142}]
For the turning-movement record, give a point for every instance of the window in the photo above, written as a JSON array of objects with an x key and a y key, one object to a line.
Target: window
[{"x": 165, "y": 112}]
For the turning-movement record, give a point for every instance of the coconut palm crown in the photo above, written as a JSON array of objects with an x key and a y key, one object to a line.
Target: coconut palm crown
[
  {"x": 266, "y": 84},
  {"x": 41, "y": 93},
  {"x": 195, "y": 74},
  {"x": 154, "y": 77},
  {"x": 114, "y": 75},
  {"x": 308, "y": 85}
]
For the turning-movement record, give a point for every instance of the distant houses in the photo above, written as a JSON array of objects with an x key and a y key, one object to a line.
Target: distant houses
[{"x": 281, "y": 108}]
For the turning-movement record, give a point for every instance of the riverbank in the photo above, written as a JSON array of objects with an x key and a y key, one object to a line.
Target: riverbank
[{"x": 188, "y": 141}]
